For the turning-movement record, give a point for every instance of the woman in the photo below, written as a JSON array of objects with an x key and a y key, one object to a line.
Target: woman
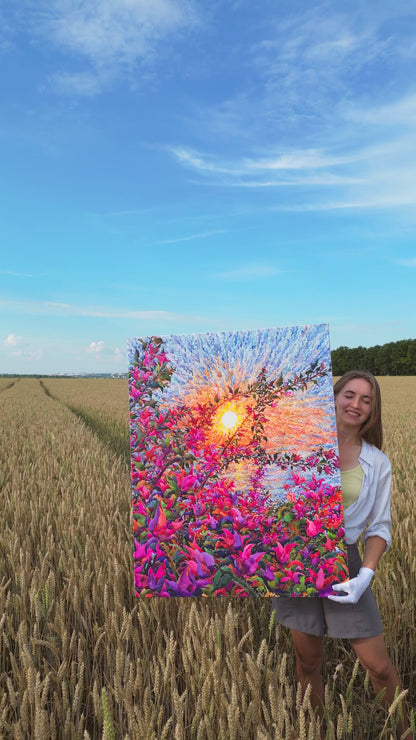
[{"x": 352, "y": 612}]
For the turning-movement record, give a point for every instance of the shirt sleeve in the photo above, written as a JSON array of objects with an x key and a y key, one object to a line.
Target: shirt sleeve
[{"x": 379, "y": 519}]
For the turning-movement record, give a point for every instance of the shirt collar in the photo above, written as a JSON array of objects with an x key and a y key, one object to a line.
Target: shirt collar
[{"x": 366, "y": 453}]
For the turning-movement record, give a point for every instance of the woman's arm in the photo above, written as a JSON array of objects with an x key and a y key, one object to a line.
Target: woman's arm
[
  {"x": 374, "y": 548},
  {"x": 380, "y": 516}
]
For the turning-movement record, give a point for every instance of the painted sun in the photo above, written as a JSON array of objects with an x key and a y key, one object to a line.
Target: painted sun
[{"x": 229, "y": 420}]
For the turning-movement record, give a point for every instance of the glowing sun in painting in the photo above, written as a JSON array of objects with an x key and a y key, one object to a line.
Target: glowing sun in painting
[
  {"x": 231, "y": 416},
  {"x": 229, "y": 420}
]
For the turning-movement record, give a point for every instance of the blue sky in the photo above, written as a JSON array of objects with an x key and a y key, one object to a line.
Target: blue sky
[{"x": 173, "y": 166}]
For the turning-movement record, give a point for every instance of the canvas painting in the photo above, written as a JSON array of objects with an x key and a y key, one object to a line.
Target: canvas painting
[{"x": 234, "y": 464}]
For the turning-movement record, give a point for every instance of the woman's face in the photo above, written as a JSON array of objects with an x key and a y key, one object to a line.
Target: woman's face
[{"x": 353, "y": 403}]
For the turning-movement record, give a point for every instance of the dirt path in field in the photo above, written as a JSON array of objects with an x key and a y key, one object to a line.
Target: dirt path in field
[{"x": 7, "y": 385}]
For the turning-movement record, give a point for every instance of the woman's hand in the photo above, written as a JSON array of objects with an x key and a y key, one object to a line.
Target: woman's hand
[{"x": 354, "y": 588}]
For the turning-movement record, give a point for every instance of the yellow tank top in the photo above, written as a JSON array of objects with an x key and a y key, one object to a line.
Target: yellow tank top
[{"x": 351, "y": 482}]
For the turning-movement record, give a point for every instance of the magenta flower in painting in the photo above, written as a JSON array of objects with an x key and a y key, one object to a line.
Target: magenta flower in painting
[{"x": 313, "y": 527}]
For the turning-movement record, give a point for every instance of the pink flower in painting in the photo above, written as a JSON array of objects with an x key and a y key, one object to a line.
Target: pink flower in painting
[
  {"x": 313, "y": 527},
  {"x": 141, "y": 551},
  {"x": 283, "y": 553},
  {"x": 320, "y": 580},
  {"x": 185, "y": 482},
  {"x": 247, "y": 561}
]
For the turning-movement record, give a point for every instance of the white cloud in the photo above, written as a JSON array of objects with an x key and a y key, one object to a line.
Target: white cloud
[
  {"x": 293, "y": 168},
  {"x": 96, "y": 347},
  {"x": 300, "y": 167},
  {"x": 12, "y": 340}
]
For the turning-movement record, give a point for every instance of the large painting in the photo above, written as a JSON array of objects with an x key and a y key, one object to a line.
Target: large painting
[{"x": 235, "y": 473}]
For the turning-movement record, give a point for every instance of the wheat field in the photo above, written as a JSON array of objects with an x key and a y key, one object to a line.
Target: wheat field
[{"x": 81, "y": 658}]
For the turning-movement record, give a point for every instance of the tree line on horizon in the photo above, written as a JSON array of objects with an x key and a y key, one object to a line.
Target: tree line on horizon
[{"x": 392, "y": 358}]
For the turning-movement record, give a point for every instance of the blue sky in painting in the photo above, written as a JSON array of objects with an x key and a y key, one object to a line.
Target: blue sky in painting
[
  {"x": 222, "y": 359},
  {"x": 182, "y": 166}
]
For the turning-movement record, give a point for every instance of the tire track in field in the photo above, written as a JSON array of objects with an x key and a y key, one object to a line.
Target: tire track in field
[
  {"x": 9, "y": 385},
  {"x": 103, "y": 430}
]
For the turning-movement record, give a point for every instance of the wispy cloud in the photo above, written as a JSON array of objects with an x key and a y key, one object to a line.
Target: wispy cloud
[
  {"x": 306, "y": 47},
  {"x": 305, "y": 119},
  {"x": 202, "y": 163},
  {"x": 16, "y": 274},
  {"x": 301, "y": 160},
  {"x": 293, "y": 168},
  {"x": 407, "y": 262},
  {"x": 191, "y": 237},
  {"x": 357, "y": 186},
  {"x": 127, "y": 212},
  {"x": 307, "y": 159},
  {"x": 249, "y": 272},
  {"x": 380, "y": 174},
  {"x": 400, "y": 112},
  {"x": 298, "y": 74},
  {"x": 68, "y": 309},
  {"x": 83, "y": 84},
  {"x": 111, "y": 38},
  {"x": 382, "y": 201},
  {"x": 325, "y": 180}
]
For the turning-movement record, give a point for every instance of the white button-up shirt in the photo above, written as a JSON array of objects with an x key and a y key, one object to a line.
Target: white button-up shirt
[{"x": 373, "y": 504}]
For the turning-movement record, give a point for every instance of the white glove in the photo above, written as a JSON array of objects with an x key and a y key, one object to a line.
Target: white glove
[{"x": 354, "y": 588}]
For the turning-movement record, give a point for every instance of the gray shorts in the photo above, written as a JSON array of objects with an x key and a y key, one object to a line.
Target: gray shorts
[{"x": 320, "y": 616}]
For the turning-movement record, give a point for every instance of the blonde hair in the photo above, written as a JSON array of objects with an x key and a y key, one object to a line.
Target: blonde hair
[{"x": 372, "y": 429}]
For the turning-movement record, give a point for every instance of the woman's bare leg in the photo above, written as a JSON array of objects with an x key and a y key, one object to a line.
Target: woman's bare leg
[
  {"x": 309, "y": 656},
  {"x": 374, "y": 658}
]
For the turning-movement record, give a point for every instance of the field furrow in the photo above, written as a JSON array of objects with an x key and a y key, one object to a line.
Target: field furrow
[
  {"x": 102, "y": 404},
  {"x": 7, "y": 383}
]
